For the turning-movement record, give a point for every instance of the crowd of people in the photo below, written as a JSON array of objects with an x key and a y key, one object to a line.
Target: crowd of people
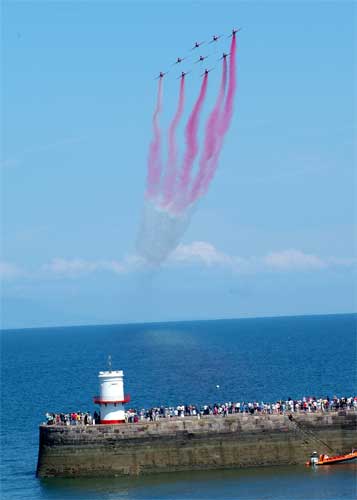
[
  {"x": 306, "y": 404},
  {"x": 74, "y": 418}
]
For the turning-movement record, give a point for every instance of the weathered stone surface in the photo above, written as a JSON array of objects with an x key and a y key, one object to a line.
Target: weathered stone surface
[{"x": 190, "y": 443}]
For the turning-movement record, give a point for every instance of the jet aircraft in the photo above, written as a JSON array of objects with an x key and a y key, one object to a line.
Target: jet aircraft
[
  {"x": 201, "y": 59},
  {"x": 234, "y": 31},
  {"x": 161, "y": 75},
  {"x": 215, "y": 38},
  {"x": 179, "y": 60},
  {"x": 197, "y": 44},
  {"x": 206, "y": 71},
  {"x": 183, "y": 74}
]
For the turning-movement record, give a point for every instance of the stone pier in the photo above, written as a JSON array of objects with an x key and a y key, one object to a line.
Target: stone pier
[{"x": 189, "y": 443}]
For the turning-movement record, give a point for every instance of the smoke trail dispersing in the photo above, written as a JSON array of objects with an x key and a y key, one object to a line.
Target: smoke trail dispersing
[
  {"x": 191, "y": 145},
  {"x": 154, "y": 160},
  {"x": 160, "y": 232},
  {"x": 171, "y": 167},
  {"x": 210, "y": 136}
]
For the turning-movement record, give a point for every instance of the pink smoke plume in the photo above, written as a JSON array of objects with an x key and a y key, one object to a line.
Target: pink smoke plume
[
  {"x": 210, "y": 136},
  {"x": 154, "y": 160},
  {"x": 225, "y": 120},
  {"x": 191, "y": 143},
  {"x": 171, "y": 167},
  {"x": 221, "y": 128}
]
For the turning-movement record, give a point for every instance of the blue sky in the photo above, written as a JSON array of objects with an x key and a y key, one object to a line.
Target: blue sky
[{"x": 274, "y": 234}]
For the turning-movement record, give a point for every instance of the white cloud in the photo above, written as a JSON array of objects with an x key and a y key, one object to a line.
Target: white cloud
[
  {"x": 78, "y": 267},
  {"x": 293, "y": 260},
  {"x": 192, "y": 254},
  {"x": 9, "y": 271},
  {"x": 201, "y": 252},
  {"x": 70, "y": 267}
]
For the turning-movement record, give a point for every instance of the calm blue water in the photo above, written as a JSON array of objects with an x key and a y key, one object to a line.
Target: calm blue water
[{"x": 56, "y": 369}]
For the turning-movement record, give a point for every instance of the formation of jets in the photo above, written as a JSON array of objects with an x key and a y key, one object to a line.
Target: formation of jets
[{"x": 201, "y": 58}]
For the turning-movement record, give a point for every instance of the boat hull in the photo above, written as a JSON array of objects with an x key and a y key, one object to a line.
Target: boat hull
[{"x": 339, "y": 459}]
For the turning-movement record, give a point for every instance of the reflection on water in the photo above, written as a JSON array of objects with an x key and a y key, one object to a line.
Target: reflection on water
[{"x": 282, "y": 483}]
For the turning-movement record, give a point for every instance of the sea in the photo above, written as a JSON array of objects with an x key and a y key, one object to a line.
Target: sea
[{"x": 198, "y": 362}]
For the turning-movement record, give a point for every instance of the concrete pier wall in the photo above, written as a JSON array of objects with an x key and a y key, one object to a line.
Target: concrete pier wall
[{"x": 190, "y": 444}]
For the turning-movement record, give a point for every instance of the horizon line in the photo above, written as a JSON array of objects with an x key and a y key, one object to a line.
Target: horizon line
[{"x": 177, "y": 321}]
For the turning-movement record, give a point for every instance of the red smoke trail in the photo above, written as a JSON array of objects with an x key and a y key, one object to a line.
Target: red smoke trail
[
  {"x": 154, "y": 160},
  {"x": 223, "y": 124},
  {"x": 191, "y": 142},
  {"x": 210, "y": 136},
  {"x": 171, "y": 169}
]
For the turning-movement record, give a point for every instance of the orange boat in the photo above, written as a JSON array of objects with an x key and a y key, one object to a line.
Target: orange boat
[{"x": 323, "y": 459}]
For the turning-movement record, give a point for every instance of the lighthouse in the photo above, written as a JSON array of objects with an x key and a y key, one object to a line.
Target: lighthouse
[{"x": 111, "y": 399}]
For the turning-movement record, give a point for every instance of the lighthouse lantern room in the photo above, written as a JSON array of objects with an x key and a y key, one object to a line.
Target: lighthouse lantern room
[{"x": 111, "y": 399}]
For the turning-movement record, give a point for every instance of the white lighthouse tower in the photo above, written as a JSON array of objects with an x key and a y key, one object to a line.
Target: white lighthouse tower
[{"x": 111, "y": 398}]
